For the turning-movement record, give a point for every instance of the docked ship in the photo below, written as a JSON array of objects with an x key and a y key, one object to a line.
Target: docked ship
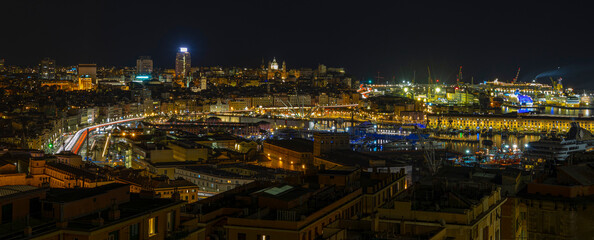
[
  {"x": 572, "y": 102},
  {"x": 559, "y": 148}
]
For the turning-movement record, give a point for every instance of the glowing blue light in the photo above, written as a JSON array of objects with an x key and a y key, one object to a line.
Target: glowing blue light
[
  {"x": 142, "y": 77},
  {"x": 524, "y": 99}
]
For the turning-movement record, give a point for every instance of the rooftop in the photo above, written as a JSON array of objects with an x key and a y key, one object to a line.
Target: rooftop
[
  {"x": 297, "y": 144},
  {"x": 150, "y": 183},
  {"x": 210, "y": 170},
  {"x": 11, "y": 190},
  {"x": 79, "y": 172},
  {"x": 582, "y": 174},
  {"x": 66, "y": 195},
  {"x": 351, "y": 158},
  {"x": 186, "y": 144},
  {"x": 339, "y": 170},
  {"x": 128, "y": 210}
]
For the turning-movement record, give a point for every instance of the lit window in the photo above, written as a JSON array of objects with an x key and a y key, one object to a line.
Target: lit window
[
  {"x": 152, "y": 226},
  {"x": 263, "y": 237}
]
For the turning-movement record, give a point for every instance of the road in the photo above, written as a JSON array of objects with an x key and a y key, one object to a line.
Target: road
[{"x": 75, "y": 142}]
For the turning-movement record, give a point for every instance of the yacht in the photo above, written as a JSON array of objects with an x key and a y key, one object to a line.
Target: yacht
[{"x": 557, "y": 149}]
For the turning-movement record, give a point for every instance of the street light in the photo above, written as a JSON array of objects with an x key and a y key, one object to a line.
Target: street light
[{"x": 437, "y": 90}]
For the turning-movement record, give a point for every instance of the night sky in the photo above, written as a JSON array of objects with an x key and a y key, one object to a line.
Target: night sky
[{"x": 395, "y": 38}]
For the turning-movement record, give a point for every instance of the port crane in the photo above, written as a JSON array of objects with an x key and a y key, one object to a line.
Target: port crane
[
  {"x": 517, "y": 74},
  {"x": 428, "y": 82},
  {"x": 459, "y": 77}
]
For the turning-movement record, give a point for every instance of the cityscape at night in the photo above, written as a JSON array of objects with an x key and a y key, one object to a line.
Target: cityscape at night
[{"x": 303, "y": 120}]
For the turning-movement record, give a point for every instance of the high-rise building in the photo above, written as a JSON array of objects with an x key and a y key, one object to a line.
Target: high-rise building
[
  {"x": 88, "y": 71},
  {"x": 1, "y": 64},
  {"x": 203, "y": 83},
  {"x": 144, "y": 65},
  {"x": 182, "y": 63},
  {"x": 47, "y": 69}
]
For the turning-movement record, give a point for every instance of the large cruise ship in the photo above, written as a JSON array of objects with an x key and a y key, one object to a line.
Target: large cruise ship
[{"x": 559, "y": 148}]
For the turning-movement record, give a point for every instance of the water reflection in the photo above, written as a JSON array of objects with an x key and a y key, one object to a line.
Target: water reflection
[
  {"x": 498, "y": 142},
  {"x": 549, "y": 111}
]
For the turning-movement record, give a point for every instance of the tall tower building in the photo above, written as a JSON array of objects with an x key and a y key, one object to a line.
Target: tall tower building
[
  {"x": 1, "y": 64},
  {"x": 47, "y": 69},
  {"x": 182, "y": 63},
  {"x": 144, "y": 65}
]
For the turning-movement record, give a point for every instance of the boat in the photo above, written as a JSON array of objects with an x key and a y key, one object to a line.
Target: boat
[
  {"x": 554, "y": 148},
  {"x": 572, "y": 101},
  {"x": 560, "y": 147}
]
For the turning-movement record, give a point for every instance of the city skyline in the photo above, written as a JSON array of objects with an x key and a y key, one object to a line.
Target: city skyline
[
  {"x": 296, "y": 120},
  {"x": 395, "y": 39}
]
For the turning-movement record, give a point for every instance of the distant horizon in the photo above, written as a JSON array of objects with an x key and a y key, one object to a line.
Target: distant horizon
[
  {"x": 397, "y": 39},
  {"x": 541, "y": 79}
]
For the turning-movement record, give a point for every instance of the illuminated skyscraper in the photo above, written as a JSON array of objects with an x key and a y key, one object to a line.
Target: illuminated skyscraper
[
  {"x": 144, "y": 65},
  {"x": 182, "y": 64},
  {"x": 47, "y": 69},
  {"x": 1, "y": 64}
]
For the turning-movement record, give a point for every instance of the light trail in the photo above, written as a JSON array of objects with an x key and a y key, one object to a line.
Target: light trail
[
  {"x": 77, "y": 140},
  {"x": 106, "y": 145}
]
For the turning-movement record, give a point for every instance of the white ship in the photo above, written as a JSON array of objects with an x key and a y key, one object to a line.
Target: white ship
[
  {"x": 560, "y": 148},
  {"x": 572, "y": 101}
]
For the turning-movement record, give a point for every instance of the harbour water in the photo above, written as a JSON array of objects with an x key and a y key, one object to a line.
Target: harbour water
[
  {"x": 474, "y": 143},
  {"x": 551, "y": 111}
]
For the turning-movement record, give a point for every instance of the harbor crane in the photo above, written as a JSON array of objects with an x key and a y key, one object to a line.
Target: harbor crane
[
  {"x": 517, "y": 74},
  {"x": 459, "y": 77},
  {"x": 428, "y": 82}
]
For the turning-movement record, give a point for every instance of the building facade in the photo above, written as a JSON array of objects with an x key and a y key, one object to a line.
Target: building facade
[{"x": 183, "y": 64}]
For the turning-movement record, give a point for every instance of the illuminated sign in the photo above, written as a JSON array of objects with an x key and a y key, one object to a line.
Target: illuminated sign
[
  {"x": 142, "y": 77},
  {"x": 183, "y": 49}
]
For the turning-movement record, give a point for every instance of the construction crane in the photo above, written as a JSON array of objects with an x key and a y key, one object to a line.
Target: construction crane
[
  {"x": 378, "y": 78},
  {"x": 517, "y": 74},
  {"x": 459, "y": 77},
  {"x": 557, "y": 86},
  {"x": 428, "y": 82}
]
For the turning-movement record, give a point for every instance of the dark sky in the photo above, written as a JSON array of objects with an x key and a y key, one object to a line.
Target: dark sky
[{"x": 490, "y": 39}]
